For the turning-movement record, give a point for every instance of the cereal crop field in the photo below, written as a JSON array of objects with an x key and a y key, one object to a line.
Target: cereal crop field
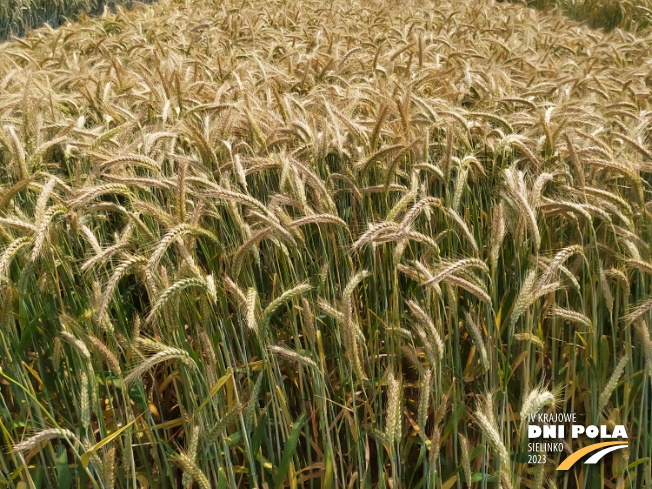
[
  {"x": 301, "y": 244},
  {"x": 19, "y": 16}
]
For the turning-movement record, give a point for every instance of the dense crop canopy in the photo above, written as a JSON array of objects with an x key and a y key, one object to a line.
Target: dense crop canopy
[{"x": 317, "y": 244}]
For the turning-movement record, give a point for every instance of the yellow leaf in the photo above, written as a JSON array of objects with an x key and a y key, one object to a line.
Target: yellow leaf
[
  {"x": 214, "y": 390},
  {"x": 33, "y": 372},
  {"x": 449, "y": 483},
  {"x": 143, "y": 480},
  {"x": 86, "y": 457},
  {"x": 173, "y": 423}
]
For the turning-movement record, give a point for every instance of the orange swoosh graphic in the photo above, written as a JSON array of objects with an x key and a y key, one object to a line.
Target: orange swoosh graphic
[{"x": 575, "y": 456}]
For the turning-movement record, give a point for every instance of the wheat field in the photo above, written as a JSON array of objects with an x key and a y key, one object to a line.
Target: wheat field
[
  {"x": 19, "y": 16},
  {"x": 308, "y": 245},
  {"x": 631, "y": 15}
]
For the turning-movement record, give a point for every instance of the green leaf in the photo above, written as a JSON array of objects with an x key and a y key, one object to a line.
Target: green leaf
[
  {"x": 638, "y": 462},
  {"x": 476, "y": 451},
  {"x": 604, "y": 357},
  {"x": 64, "y": 479},
  {"x": 38, "y": 476},
  {"x": 290, "y": 449},
  {"x": 221, "y": 479},
  {"x": 138, "y": 395},
  {"x": 479, "y": 476},
  {"x": 258, "y": 434},
  {"x": 327, "y": 481}
]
